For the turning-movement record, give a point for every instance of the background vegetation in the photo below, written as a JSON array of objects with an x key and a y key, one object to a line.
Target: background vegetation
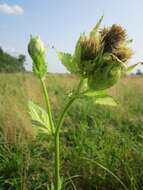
[
  {"x": 9, "y": 63},
  {"x": 112, "y": 136}
]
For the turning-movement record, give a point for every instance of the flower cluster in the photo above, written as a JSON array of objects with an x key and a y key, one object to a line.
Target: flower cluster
[
  {"x": 103, "y": 56},
  {"x": 100, "y": 57}
]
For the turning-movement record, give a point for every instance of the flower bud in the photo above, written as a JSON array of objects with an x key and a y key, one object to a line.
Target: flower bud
[
  {"x": 106, "y": 75},
  {"x": 37, "y": 51}
]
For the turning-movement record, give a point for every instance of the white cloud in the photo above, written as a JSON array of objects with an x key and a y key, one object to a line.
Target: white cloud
[
  {"x": 11, "y": 50},
  {"x": 11, "y": 9}
]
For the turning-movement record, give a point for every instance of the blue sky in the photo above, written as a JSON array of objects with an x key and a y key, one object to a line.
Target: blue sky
[{"x": 59, "y": 23}]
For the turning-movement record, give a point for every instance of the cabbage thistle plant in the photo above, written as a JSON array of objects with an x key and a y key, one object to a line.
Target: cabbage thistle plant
[{"x": 99, "y": 60}]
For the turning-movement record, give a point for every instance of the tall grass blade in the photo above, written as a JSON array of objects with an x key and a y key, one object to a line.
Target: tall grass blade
[{"x": 107, "y": 170}]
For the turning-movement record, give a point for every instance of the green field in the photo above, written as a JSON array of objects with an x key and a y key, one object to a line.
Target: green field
[{"x": 91, "y": 135}]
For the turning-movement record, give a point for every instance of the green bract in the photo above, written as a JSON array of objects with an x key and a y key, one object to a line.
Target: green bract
[
  {"x": 100, "y": 57},
  {"x": 37, "y": 52}
]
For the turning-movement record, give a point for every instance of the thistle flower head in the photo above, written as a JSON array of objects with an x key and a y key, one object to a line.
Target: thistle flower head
[
  {"x": 103, "y": 56},
  {"x": 86, "y": 52},
  {"x": 100, "y": 57},
  {"x": 103, "y": 32},
  {"x": 123, "y": 52},
  {"x": 89, "y": 47},
  {"x": 112, "y": 37},
  {"x": 36, "y": 50}
]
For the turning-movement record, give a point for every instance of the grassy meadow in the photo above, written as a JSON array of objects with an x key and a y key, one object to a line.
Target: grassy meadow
[{"x": 91, "y": 135}]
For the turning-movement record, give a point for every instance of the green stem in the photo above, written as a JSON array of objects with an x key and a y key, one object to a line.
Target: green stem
[
  {"x": 47, "y": 105},
  {"x": 57, "y": 145},
  {"x": 60, "y": 122},
  {"x": 57, "y": 133}
]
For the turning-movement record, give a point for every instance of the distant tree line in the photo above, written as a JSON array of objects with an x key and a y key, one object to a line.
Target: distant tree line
[
  {"x": 9, "y": 63},
  {"x": 139, "y": 72}
]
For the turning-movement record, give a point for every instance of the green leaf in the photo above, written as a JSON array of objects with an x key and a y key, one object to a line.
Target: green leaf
[
  {"x": 77, "y": 53},
  {"x": 95, "y": 29},
  {"x": 106, "y": 100},
  {"x": 51, "y": 187},
  {"x": 40, "y": 71},
  {"x": 93, "y": 93},
  {"x": 67, "y": 60},
  {"x": 39, "y": 117},
  {"x": 115, "y": 58},
  {"x": 101, "y": 97},
  {"x": 131, "y": 68}
]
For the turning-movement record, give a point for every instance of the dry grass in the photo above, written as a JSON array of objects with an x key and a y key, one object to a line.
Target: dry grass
[{"x": 17, "y": 89}]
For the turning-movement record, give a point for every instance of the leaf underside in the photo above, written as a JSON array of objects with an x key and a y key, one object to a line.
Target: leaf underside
[
  {"x": 39, "y": 117},
  {"x": 67, "y": 60}
]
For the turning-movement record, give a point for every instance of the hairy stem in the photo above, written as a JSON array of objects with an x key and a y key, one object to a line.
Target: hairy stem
[
  {"x": 47, "y": 105},
  {"x": 57, "y": 133}
]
